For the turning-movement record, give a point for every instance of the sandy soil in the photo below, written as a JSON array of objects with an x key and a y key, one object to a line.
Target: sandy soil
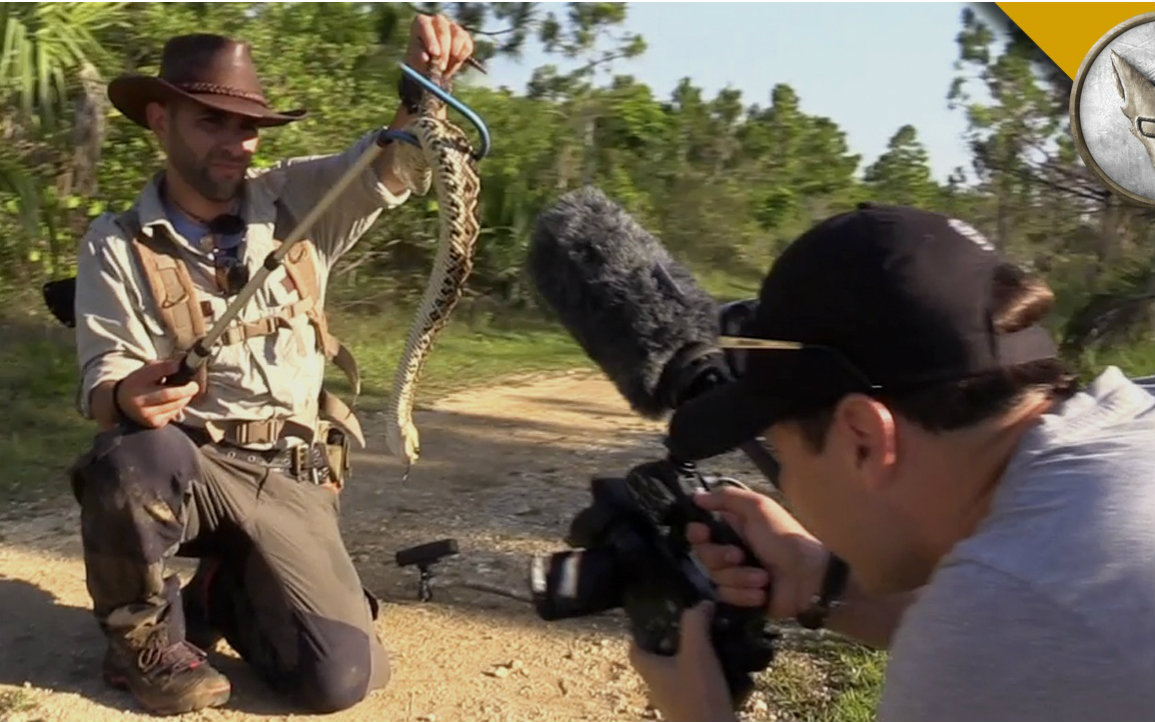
[{"x": 503, "y": 471}]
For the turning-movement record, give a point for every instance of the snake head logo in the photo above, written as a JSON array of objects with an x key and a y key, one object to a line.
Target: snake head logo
[{"x": 1138, "y": 95}]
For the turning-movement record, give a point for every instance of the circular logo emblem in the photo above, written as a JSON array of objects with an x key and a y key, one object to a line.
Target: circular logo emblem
[{"x": 1113, "y": 109}]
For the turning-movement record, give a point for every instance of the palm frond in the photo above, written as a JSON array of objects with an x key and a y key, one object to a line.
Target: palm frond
[
  {"x": 15, "y": 181},
  {"x": 1109, "y": 319},
  {"x": 44, "y": 44}
]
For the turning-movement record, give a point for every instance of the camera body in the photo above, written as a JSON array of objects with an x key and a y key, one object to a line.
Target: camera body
[
  {"x": 628, "y": 548},
  {"x": 629, "y": 551}
]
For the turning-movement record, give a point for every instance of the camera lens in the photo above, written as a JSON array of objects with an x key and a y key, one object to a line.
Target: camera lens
[{"x": 574, "y": 583}]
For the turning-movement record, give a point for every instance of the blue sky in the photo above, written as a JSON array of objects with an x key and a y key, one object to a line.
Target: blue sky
[{"x": 871, "y": 67}]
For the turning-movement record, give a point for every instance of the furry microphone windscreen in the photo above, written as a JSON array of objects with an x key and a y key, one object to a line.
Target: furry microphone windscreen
[{"x": 618, "y": 292}]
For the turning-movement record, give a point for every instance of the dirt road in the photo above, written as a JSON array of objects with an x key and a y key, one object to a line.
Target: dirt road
[{"x": 503, "y": 471}]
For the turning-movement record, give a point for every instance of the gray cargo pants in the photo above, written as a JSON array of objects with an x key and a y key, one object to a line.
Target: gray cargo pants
[{"x": 284, "y": 594}]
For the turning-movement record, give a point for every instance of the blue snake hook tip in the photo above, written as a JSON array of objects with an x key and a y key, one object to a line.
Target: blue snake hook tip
[
  {"x": 402, "y": 136},
  {"x": 457, "y": 105}
]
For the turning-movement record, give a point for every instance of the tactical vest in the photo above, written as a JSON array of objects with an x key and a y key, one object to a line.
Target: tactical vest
[{"x": 184, "y": 320}]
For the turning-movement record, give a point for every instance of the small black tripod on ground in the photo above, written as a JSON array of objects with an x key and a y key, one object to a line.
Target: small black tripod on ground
[{"x": 425, "y": 556}]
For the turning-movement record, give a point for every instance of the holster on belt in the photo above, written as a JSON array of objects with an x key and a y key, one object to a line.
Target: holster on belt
[
  {"x": 329, "y": 434},
  {"x": 336, "y": 444}
]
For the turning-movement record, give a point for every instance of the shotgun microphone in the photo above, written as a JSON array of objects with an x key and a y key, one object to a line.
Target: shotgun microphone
[{"x": 632, "y": 308}]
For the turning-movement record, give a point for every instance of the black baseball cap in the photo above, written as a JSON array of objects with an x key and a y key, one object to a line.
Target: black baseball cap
[{"x": 878, "y": 299}]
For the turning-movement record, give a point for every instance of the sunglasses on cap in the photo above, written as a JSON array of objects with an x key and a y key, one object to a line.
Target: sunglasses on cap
[
  {"x": 743, "y": 344},
  {"x": 1030, "y": 344}
]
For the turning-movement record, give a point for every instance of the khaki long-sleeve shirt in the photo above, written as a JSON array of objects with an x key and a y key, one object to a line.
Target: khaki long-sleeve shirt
[{"x": 277, "y": 376}]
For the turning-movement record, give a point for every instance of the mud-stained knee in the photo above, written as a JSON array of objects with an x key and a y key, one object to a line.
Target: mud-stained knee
[
  {"x": 159, "y": 462},
  {"x": 132, "y": 487}
]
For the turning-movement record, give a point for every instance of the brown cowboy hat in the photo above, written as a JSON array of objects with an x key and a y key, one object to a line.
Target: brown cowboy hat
[{"x": 208, "y": 69}]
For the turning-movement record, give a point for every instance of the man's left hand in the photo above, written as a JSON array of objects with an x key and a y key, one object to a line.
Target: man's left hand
[
  {"x": 688, "y": 686},
  {"x": 435, "y": 40}
]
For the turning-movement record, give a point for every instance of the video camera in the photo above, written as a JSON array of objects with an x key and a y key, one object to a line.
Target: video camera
[{"x": 629, "y": 548}]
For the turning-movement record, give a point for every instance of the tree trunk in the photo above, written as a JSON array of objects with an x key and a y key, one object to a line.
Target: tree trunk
[
  {"x": 589, "y": 144},
  {"x": 1003, "y": 223},
  {"x": 1107, "y": 248}
]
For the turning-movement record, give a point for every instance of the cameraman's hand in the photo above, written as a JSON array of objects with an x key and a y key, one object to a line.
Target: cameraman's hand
[
  {"x": 144, "y": 400},
  {"x": 793, "y": 560},
  {"x": 688, "y": 686}
]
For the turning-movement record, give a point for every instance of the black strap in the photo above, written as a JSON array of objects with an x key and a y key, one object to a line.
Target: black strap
[
  {"x": 116, "y": 401},
  {"x": 833, "y": 586}
]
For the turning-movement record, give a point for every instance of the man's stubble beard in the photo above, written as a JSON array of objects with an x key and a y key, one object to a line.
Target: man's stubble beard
[
  {"x": 219, "y": 191},
  {"x": 198, "y": 176}
]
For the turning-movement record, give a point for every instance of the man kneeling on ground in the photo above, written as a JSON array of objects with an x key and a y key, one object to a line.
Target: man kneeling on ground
[{"x": 242, "y": 466}]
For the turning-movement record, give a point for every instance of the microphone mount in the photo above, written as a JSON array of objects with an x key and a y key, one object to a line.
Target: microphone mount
[{"x": 693, "y": 371}]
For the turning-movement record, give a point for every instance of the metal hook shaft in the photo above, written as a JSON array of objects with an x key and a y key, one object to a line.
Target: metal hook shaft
[{"x": 454, "y": 103}]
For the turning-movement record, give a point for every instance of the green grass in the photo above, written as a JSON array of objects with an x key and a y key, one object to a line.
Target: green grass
[
  {"x": 1135, "y": 360},
  {"x": 43, "y": 433},
  {"x": 827, "y": 680},
  {"x": 727, "y": 287},
  {"x": 465, "y": 354}
]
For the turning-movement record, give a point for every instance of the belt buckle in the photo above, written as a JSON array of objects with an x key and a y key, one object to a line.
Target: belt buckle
[
  {"x": 319, "y": 466},
  {"x": 303, "y": 466},
  {"x": 300, "y": 458}
]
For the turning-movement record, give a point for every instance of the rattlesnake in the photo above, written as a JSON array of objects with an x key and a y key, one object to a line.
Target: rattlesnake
[{"x": 444, "y": 159}]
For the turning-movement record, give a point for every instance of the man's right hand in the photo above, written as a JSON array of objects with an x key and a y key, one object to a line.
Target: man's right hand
[
  {"x": 793, "y": 560},
  {"x": 144, "y": 399}
]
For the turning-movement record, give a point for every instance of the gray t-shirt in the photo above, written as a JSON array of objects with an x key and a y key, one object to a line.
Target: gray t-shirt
[{"x": 1047, "y": 613}]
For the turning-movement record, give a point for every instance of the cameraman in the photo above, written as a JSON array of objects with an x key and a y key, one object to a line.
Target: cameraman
[{"x": 997, "y": 518}]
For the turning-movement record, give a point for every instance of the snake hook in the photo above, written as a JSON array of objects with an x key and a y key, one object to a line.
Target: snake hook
[{"x": 452, "y": 102}]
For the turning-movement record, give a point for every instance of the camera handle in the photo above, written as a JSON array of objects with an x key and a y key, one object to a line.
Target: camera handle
[
  {"x": 720, "y": 531},
  {"x": 739, "y": 635}
]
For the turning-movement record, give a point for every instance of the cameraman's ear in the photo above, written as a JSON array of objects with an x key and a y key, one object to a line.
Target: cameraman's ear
[{"x": 869, "y": 434}]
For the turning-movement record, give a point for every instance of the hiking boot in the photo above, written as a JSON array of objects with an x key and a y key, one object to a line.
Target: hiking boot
[
  {"x": 166, "y": 677},
  {"x": 195, "y": 601}
]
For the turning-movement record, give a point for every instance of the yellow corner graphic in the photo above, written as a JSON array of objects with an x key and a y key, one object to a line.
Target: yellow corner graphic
[{"x": 1066, "y": 32}]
